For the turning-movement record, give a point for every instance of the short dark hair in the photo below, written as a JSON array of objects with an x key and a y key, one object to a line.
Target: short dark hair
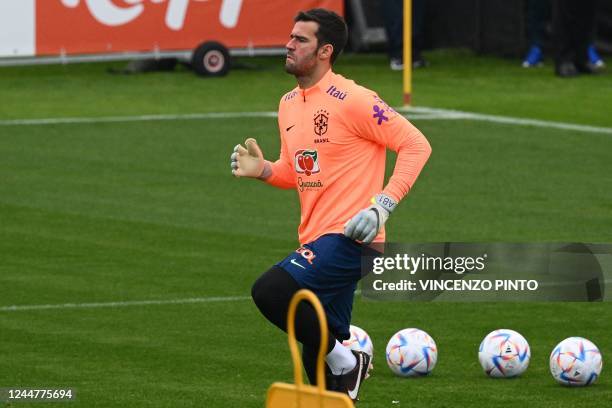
[{"x": 332, "y": 29}]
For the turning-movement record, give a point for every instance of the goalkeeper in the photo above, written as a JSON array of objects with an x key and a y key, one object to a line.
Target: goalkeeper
[{"x": 334, "y": 135}]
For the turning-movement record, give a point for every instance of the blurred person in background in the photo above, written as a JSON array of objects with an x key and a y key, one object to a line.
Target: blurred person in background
[
  {"x": 573, "y": 35},
  {"x": 393, "y": 14},
  {"x": 574, "y": 30},
  {"x": 538, "y": 16}
]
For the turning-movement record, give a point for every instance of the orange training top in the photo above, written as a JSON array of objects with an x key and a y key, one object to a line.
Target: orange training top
[{"x": 333, "y": 141}]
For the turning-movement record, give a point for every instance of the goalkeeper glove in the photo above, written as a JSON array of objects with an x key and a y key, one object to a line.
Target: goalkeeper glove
[
  {"x": 366, "y": 224},
  {"x": 249, "y": 161}
]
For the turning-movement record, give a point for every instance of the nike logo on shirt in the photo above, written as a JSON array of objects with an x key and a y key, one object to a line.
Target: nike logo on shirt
[
  {"x": 293, "y": 261},
  {"x": 289, "y": 128}
]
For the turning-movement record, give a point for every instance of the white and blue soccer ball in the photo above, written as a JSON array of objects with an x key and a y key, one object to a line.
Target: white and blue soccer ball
[
  {"x": 411, "y": 352},
  {"x": 504, "y": 353},
  {"x": 576, "y": 362},
  {"x": 359, "y": 341}
]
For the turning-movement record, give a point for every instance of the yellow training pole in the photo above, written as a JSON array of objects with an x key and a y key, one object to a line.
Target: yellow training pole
[{"x": 407, "y": 52}]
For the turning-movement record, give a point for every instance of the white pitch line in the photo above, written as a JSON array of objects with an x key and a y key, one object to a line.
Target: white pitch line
[
  {"x": 137, "y": 118},
  {"x": 413, "y": 113},
  {"x": 443, "y": 114},
  {"x": 96, "y": 305},
  {"x": 214, "y": 299}
]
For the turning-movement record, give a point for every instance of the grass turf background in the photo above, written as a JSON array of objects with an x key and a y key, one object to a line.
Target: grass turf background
[{"x": 149, "y": 210}]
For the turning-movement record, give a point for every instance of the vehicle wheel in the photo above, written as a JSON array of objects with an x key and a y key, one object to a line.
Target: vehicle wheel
[{"x": 211, "y": 59}]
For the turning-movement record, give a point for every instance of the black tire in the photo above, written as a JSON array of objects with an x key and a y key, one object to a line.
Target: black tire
[{"x": 211, "y": 59}]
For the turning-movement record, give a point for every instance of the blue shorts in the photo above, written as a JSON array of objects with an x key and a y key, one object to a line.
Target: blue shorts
[{"x": 330, "y": 266}]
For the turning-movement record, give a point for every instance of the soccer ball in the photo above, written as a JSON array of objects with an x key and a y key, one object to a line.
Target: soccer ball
[
  {"x": 575, "y": 361},
  {"x": 411, "y": 352},
  {"x": 504, "y": 353},
  {"x": 359, "y": 341}
]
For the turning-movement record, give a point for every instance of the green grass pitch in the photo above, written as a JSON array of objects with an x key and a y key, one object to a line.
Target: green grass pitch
[{"x": 131, "y": 211}]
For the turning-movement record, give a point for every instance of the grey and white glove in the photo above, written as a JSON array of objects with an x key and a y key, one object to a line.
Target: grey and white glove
[
  {"x": 366, "y": 224},
  {"x": 249, "y": 161}
]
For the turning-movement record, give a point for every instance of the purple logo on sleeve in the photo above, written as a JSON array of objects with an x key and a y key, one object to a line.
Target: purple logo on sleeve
[{"x": 380, "y": 114}]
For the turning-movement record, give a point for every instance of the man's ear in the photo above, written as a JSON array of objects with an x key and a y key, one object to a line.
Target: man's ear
[{"x": 326, "y": 51}]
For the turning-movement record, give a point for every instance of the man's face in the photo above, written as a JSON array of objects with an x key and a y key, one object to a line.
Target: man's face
[{"x": 302, "y": 49}]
